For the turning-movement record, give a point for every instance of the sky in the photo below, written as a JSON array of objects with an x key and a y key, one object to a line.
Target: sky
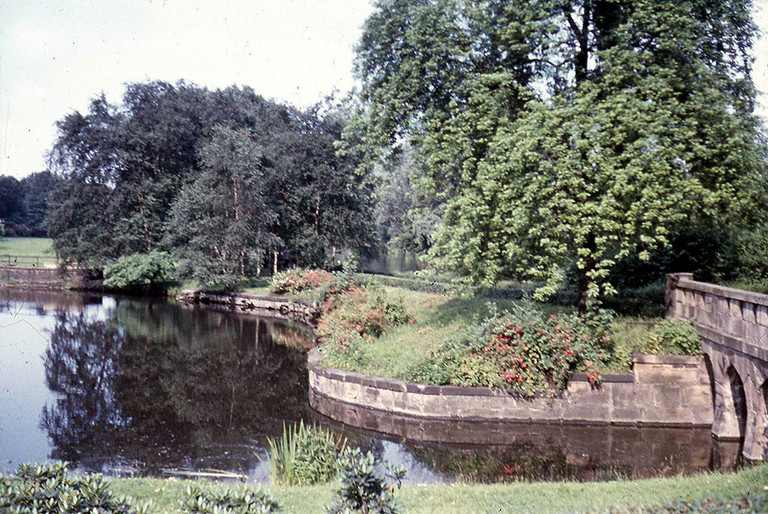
[{"x": 55, "y": 55}]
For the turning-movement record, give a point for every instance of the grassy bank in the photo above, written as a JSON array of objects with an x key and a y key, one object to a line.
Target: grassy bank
[
  {"x": 464, "y": 498},
  {"x": 37, "y": 247},
  {"x": 439, "y": 316}
]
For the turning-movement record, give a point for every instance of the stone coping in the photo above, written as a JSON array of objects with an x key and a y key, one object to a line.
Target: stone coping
[
  {"x": 392, "y": 384},
  {"x": 727, "y": 292},
  {"x": 687, "y": 360}
]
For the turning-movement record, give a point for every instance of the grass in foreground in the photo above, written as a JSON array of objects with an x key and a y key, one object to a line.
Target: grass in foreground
[{"x": 464, "y": 498}]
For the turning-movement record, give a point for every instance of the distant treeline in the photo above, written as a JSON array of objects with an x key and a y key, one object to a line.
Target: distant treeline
[
  {"x": 24, "y": 203},
  {"x": 225, "y": 180}
]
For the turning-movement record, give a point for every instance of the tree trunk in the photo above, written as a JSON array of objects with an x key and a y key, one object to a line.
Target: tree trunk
[
  {"x": 581, "y": 33},
  {"x": 585, "y": 280},
  {"x": 274, "y": 263}
]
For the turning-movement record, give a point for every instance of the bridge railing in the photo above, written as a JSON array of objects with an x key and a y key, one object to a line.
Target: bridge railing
[{"x": 733, "y": 313}]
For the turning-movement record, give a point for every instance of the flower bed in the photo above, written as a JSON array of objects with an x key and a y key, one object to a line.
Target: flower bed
[
  {"x": 523, "y": 351},
  {"x": 298, "y": 280}
]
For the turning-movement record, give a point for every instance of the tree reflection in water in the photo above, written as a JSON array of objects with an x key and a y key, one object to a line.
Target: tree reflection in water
[{"x": 155, "y": 385}]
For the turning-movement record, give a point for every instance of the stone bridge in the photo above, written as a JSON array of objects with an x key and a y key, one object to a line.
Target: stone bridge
[{"x": 733, "y": 325}]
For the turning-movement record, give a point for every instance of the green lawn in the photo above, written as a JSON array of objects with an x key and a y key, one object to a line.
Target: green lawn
[
  {"x": 26, "y": 251},
  {"x": 466, "y": 498}
]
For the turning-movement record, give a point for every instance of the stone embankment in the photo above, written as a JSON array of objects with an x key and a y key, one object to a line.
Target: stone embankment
[
  {"x": 663, "y": 391},
  {"x": 294, "y": 309},
  {"x": 41, "y": 278}
]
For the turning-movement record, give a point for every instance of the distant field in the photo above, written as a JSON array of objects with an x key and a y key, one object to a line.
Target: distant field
[{"x": 26, "y": 251}]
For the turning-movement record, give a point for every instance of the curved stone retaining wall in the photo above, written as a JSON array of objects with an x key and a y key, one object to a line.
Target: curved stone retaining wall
[
  {"x": 294, "y": 309},
  {"x": 669, "y": 391}
]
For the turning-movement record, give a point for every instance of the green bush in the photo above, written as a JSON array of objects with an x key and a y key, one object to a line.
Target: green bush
[
  {"x": 522, "y": 351},
  {"x": 675, "y": 337},
  {"x": 297, "y": 280},
  {"x": 366, "y": 484},
  {"x": 141, "y": 271},
  {"x": 304, "y": 455},
  {"x": 50, "y": 489},
  {"x": 246, "y": 500}
]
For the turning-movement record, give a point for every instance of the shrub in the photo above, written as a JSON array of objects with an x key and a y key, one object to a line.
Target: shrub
[
  {"x": 246, "y": 500},
  {"x": 140, "y": 271},
  {"x": 304, "y": 455},
  {"x": 297, "y": 280},
  {"x": 351, "y": 316},
  {"x": 366, "y": 484},
  {"x": 50, "y": 489},
  {"x": 523, "y": 351},
  {"x": 676, "y": 337}
]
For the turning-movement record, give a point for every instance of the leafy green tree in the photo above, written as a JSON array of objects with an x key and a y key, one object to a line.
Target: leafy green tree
[
  {"x": 11, "y": 202},
  {"x": 323, "y": 202},
  {"x": 122, "y": 168},
  {"x": 37, "y": 192},
  {"x": 219, "y": 224},
  {"x": 568, "y": 134},
  {"x": 406, "y": 219}
]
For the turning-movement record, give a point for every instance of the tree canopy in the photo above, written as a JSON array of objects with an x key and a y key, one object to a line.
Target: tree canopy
[
  {"x": 221, "y": 178},
  {"x": 566, "y": 134},
  {"x": 24, "y": 203}
]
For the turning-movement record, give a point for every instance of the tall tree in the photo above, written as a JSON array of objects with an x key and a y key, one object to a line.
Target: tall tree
[
  {"x": 123, "y": 167},
  {"x": 219, "y": 224},
  {"x": 37, "y": 192},
  {"x": 568, "y": 134}
]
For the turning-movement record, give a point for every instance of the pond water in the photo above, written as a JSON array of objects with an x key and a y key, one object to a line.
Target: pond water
[{"x": 135, "y": 387}]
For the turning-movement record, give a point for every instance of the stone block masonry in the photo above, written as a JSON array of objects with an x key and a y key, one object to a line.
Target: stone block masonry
[
  {"x": 41, "y": 278},
  {"x": 733, "y": 325},
  {"x": 293, "y": 309},
  {"x": 663, "y": 391}
]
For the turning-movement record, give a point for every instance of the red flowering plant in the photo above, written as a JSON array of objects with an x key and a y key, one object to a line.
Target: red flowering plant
[
  {"x": 352, "y": 314},
  {"x": 299, "y": 279},
  {"x": 523, "y": 351}
]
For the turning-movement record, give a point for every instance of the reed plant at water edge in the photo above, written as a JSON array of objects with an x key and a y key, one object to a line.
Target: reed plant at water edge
[{"x": 304, "y": 455}]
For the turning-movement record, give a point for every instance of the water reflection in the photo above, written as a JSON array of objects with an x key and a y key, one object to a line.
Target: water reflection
[
  {"x": 141, "y": 386},
  {"x": 489, "y": 452}
]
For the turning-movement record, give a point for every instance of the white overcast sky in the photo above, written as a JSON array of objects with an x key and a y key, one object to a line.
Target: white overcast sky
[{"x": 55, "y": 55}]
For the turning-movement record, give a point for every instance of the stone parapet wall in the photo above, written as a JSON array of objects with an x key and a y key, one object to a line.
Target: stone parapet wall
[
  {"x": 662, "y": 391},
  {"x": 41, "y": 278},
  {"x": 294, "y": 309},
  {"x": 733, "y": 325},
  {"x": 731, "y": 317}
]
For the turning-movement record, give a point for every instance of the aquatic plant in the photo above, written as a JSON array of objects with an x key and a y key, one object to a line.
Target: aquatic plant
[{"x": 304, "y": 455}]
